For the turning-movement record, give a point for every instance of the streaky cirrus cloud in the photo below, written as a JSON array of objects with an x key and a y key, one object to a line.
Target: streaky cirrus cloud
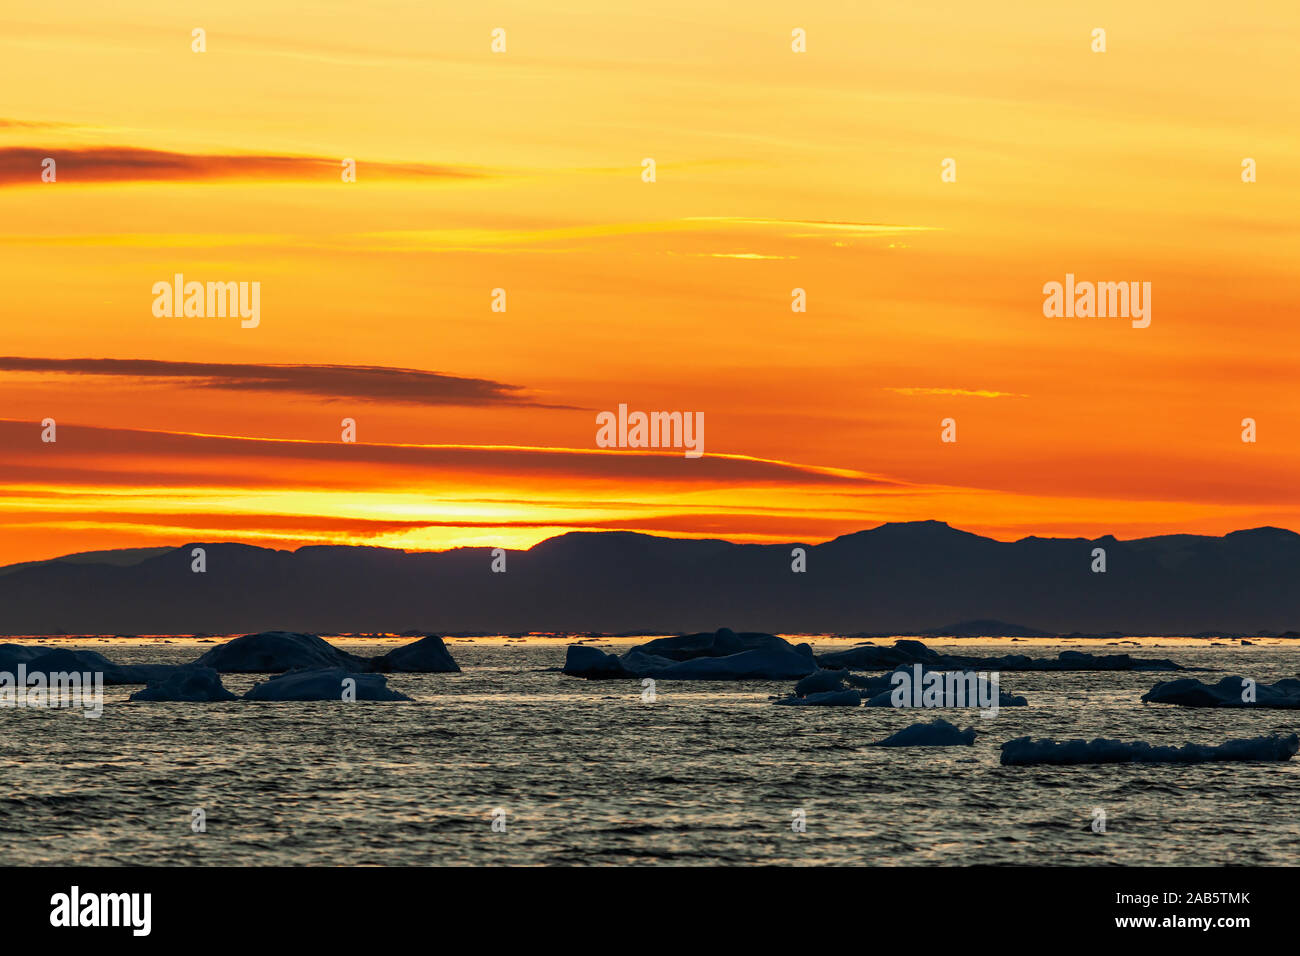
[
  {"x": 7, "y": 122},
  {"x": 953, "y": 392},
  {"x": 21, "y": 166},
  {"x": 809, "y": 228},
  {"x": 208, "y": 523},
  {"x": 368, "y": 383},
  {"x": 115, "y": 450}
]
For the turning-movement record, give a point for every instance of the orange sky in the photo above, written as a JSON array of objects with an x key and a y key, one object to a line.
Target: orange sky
[{"x": 522, "y": 170}]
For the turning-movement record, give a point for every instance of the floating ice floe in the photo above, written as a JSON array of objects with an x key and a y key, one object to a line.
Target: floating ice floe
[
  {"x": 720, "y": 643},
  {"x": 46, "y": 660},
  {"x": 272, "y": 651},
  {"x": 1229, "y": 692},
  {"x": 593, "y": 663},
  {"x": 13, "y": 654},
  {"x": 723, "y": 655},
  {"x": 191, "y": 684},
  {"x": 937, "y": 733},
  {"x": 819, "y": 681},
  {"x": 822, "y": 688},
  {"x": 1024, "y": 751},
  {"x": 921, "y": 687},
  {"x": 429, "y": 655},
  {"x": 267, "y": 652},
  {"x": 828, "y": 698},
  {"x": 325, "y": 683},
  {"x": 875, "y": 657},
  {"x": 914, "y": 686}
]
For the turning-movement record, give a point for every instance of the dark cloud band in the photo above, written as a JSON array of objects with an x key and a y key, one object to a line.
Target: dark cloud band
[
  {"x": 369, "y": 383},
  {"x": 21, "y": 165}
]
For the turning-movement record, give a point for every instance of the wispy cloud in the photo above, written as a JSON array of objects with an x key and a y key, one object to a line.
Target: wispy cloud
[
  {"x": 804, "y": 229},
  {"x": 8, "y": 123},
  {"x": 736, "y": 255},
  {"x": 119, "y": 450},
  {"x": 957, "y": 392},
  {"x": 21, "y": 166},
  {"x": 367, "y": 383}
]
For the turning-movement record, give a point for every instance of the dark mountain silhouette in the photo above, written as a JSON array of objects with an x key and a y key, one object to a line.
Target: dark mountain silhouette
[{"x": 898, "y": 578}]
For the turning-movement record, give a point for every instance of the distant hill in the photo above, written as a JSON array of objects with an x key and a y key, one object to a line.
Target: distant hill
[{"x": 911, "y": 578}]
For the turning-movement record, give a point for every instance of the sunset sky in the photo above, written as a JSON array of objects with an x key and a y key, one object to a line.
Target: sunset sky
[{"x": 522, "y": 170}]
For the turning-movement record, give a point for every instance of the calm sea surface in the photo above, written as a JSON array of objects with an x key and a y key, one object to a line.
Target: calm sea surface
[{"x": 588, "y": 773}]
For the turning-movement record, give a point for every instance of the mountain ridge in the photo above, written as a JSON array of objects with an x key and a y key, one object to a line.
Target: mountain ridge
[{"x": 899, "y": 577}]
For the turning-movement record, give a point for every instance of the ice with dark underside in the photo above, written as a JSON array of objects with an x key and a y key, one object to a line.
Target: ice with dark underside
[
  {"x": 1024, "y": 751},
  {"x": 937, "y": 733},
  {"x": 937, "y": 687},
  {"x": 273, "y": 651},
  {"x": 828, "y": 698},
  {"x": 270, "y": 652},
  {"x": 1230, "y": 692},
  {"x": 429, "y": 655},
  {"x": 326, "y": 683},
  {"x": 876, "y": 658},
  {"x": 46, "y": 660},
  {"x": 721, "y": 655},
  {"x": 190, "y": 684}
]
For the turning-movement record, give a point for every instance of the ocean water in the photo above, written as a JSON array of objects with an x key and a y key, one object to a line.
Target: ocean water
[{"x": 589, "y": 774}]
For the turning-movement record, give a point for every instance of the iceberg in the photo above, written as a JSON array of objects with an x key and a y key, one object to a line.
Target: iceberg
[
  {"x": 950, "y": 689},
  {"x": 191, "y": 684},
  {"x": 325, "y": 683},
  {"x": 1229, "y": 692},
  {"x": 1024, "y": 751},
  {"x": 748, "y": 665},
  {"x": 272, "y": 651},
  {"x": 592, "y": 663},
  {"x": 820, "y": 680},
  {"x": 937, "y": 733},
  {"x": 426, "y": 656},
  {"x": 45, "y": 660},
  {"x": 934, "y": 687},
  {"x": 721, "y": 643},
  {"x": 11, "y": 655},
  {"x": 829, "y": 698},
  {"x": 872, "y": 657},
  {"x": 723, "y": 655},
  {"x": 1081, "y": 661},
  {"x": 266, "y": 652}
]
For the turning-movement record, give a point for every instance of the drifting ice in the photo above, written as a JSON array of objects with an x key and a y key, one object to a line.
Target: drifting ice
[
  {"x": 935, "y": 688},
  {"x": 193, "y": 684},
  {"x": 937, "y": 733},
  {"x": 872, "y": 657},
  {"x": 819, "y": 681},
  {"x": 1024, "y": 751},
  {"x": 273, "y": 651},
  {"x": 323, "y": 684},
  {"x": 723, "y": 655},
  {"x": 1229, "y": 692},
  {"x": 829, "y": 698},
  {"x": 425, "y": 656},
  {"x": 45, "y": 660}
]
